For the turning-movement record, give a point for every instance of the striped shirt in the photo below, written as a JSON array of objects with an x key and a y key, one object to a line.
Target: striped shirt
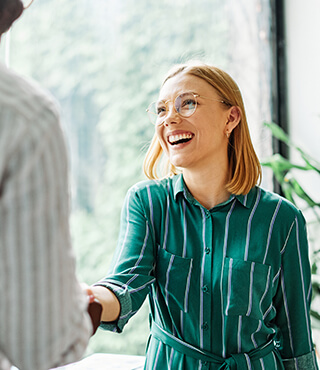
[
  {"x": 43, "y": 319},
  {"x": 225, "y": 280}
]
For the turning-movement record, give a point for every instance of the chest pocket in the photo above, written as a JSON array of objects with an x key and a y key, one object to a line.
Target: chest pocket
[
  {"x": 173, "y": 277},
  {"x": 246, "y": 288}
]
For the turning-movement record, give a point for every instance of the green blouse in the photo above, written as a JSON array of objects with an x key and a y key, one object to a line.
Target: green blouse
[{"x": 220, "y": 282}]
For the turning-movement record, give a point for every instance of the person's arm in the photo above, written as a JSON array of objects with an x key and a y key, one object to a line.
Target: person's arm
[
  {"x": 43, "y": 312},
  {"x": 131, "y": 272},
  {"x": 293, "y": 298},
  {"x": 108, "y": 300}
]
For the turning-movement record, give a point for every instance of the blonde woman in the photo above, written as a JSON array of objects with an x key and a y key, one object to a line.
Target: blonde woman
[{"x": 223, "y": 261}]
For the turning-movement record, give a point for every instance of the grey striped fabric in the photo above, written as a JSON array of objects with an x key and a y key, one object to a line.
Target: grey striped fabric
[
  {"x": 43, "y": 319},
  {"x": 225, "y": 280}
]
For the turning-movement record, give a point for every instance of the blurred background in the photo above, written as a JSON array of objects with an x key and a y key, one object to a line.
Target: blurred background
[{"x": 104, "y": 61}]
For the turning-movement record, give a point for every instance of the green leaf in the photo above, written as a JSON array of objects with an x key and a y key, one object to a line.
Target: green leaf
[
  {"x": 299, "y": 191},
  {"x": 287, "y": 191},
  {"x": 278, "y": 132},
  {"x": 308, "y": 160},
  {"x": 279, "y": 164}
]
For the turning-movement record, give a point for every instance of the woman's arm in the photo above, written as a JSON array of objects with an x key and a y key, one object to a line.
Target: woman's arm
[
  {"x": 293, "y": 297},
  {"x": 108, "y": 300},
  {"x": 124, "y": 289}
]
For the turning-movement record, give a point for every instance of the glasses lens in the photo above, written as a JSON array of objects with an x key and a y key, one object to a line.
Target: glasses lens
[
  {"x": 152, "y": 113},
  {"x": 185, "y": 104},
  {"x": 157, "y": 112}
]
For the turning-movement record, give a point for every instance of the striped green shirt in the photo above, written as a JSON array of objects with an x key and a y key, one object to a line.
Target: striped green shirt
[{"x": 224, "y": 281}]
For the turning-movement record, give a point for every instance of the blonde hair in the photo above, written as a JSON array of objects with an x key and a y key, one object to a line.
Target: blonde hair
[{"x": 245, "y": 169}]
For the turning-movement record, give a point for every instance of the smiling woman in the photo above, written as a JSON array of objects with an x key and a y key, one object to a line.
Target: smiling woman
[
  {"x": 223, "y": 262},
  {"x": 207, "y": 126},
  {"x": 245, "y": 169}
]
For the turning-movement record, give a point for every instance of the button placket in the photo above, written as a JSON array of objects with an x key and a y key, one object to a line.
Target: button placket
[
  {"x": 206, "y": 282},
  {"x": 205, "y": 326},
  {"x": 205, "y": 289}
]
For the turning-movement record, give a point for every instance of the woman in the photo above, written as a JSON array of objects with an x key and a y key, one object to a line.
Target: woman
[{"x": 224, "y": 262}]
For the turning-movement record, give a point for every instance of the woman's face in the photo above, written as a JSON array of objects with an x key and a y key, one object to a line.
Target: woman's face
[{"x": 204, "y": 133}]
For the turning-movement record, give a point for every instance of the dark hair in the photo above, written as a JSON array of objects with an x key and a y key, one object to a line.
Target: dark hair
[
  {"x": 10, "y": 10},
  {"x": 2, "y": 4}
]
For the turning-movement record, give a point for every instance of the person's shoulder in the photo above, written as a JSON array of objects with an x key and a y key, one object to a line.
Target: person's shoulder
[
  {"x": 153, "y": 191},
  {"x": 151, "y": 194},
  {"x": 284, "y": 206},
  {"x": 24, "y": 96},
  {"x": 152, "y": 186}
]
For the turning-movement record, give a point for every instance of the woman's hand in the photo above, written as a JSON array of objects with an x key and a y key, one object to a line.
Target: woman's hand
[{"x": 108, "y": 300}]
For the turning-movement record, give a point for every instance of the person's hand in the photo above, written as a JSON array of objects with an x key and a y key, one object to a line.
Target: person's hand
[
  {"x": 94, "y": 307},
  {"x": 110, "y": 304},
  {"x": 87, "y": 289}
]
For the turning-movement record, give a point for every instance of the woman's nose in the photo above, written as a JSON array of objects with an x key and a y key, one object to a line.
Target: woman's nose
[{"x": 173, "y": 117}]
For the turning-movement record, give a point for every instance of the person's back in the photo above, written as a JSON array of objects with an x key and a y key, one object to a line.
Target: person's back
[{"x": 43, "y": 312}]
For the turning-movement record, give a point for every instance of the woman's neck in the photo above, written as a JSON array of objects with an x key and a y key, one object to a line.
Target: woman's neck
[{"x": 208, "y": 186}]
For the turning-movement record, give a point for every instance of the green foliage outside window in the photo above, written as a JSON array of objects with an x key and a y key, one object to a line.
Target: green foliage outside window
[{"x": 104, "y": 61}]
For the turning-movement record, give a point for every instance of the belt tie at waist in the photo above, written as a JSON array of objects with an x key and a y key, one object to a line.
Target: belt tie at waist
[{"x": 234, "y": 362}]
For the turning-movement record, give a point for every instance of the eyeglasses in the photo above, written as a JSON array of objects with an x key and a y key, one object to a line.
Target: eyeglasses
[
  {"x": 185, "y": 105},
  {"x": 26, "y": 3}
]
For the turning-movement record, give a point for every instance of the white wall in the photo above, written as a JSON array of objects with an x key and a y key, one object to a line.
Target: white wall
[{"x": 303, "y": 62}]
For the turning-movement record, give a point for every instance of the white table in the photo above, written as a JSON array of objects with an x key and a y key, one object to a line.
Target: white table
[{"x": 103, "y": 361}]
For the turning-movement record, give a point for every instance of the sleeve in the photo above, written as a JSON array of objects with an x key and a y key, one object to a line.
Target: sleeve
[
  {"x": 293, "y": 299},
  {"x": 131, "y": 271},
  {"x": 43, "y": 314}
]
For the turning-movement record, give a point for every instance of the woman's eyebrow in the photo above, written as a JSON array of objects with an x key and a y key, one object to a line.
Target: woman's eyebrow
[{"x": 184, "y": 92}]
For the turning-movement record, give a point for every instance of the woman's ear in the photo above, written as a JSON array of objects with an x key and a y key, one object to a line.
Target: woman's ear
[{"x": 233, "y": 119}]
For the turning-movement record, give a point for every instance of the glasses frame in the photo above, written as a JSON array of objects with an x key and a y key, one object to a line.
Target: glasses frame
[
  {"x": 28, "y": 5},
  {"x": 151, "y": 114}
]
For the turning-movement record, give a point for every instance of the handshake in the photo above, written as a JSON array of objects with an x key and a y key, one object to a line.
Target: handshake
[{"x": 94, "y": 308}]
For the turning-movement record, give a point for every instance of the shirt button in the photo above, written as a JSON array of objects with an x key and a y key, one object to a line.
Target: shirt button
[
  {"x": 205, "y": 326},
  {"x": 205, "y": 289},
  {"x": 207, "y": 250}
]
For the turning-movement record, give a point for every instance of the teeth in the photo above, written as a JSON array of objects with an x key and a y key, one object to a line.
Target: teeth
[{"x": 174, "y": 138}]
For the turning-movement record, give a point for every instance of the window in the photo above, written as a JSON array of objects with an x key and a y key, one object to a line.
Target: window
[{"x": 104, "y": 61}]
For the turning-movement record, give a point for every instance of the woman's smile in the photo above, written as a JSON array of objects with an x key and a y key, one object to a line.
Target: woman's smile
[{"x": 178, "y": 138}]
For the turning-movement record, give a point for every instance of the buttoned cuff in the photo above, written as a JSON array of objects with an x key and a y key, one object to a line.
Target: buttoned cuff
[
  {"x": 123, "y": 295},
  {"x": 307, "y": 362}
]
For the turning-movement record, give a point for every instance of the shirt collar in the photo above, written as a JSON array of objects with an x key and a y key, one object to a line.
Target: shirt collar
[{"x": 180, "y": 187}]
